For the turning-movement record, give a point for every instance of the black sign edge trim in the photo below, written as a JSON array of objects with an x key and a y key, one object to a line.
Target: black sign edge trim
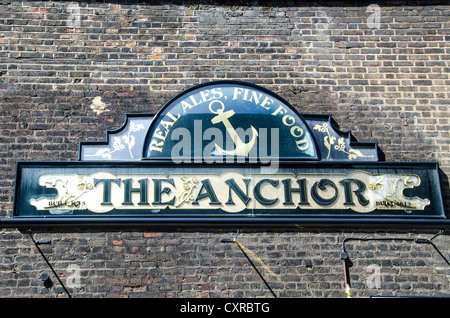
[{"x": 225, "y": 222}]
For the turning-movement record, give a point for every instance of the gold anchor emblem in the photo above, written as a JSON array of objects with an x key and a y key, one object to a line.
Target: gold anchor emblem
[{"x": 242, "y": 149}]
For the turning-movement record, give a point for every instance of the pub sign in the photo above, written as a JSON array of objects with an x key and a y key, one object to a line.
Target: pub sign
[{"x": 228, "y": 152}]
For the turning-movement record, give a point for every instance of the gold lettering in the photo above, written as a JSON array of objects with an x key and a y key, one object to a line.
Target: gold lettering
[
  {"x": 173, "y": 117},
  {"x": 290, "y": 118},
  {"x": 193, "y": 100},
  {"x": 217, "y": 92},
  {"x": 166, "y": 125},
  {"x": 296, "y": 128},
  {"x": 154, "y": 145},
  {"x": 266, "y": 101},
  {"x": 185, "y": 105},
  {"x": 205, "y": 96},
  {"x": 300, "y": 142},
  {"x": 159, "y": 134},
  {"x": 279, "y": 109},
  {"x": 237, "y": 91},
  {"x": 254, "y": 98},
  {"x": 245, "y": 94}
]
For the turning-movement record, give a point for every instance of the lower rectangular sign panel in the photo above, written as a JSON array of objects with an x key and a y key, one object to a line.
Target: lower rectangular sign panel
[{"x": 293, "y": 191}]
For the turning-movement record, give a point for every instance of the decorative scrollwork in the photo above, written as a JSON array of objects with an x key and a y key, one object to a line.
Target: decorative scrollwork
[
  {"x": 120, "y": 142},
  {"x": 186, "y": 195},
  {"x": 329, "y": 140}
]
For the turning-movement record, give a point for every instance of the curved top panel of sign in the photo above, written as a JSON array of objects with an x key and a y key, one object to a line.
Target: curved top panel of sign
[
  {"x": 225, "y": 119},
  {"x": 222, "y": 120}
]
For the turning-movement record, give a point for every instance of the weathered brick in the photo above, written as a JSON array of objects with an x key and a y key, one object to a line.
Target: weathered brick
[{"x": 386, "y": 83}]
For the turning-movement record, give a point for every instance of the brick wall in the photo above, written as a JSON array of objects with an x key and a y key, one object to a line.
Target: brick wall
[{"x": 70, "y": 70}]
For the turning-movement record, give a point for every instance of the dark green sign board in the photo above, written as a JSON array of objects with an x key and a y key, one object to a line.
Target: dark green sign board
[
  {"x": 240, "y": 120},
  {"x": 122, "y": 189},
  {"x": 227, "y": 152}
]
